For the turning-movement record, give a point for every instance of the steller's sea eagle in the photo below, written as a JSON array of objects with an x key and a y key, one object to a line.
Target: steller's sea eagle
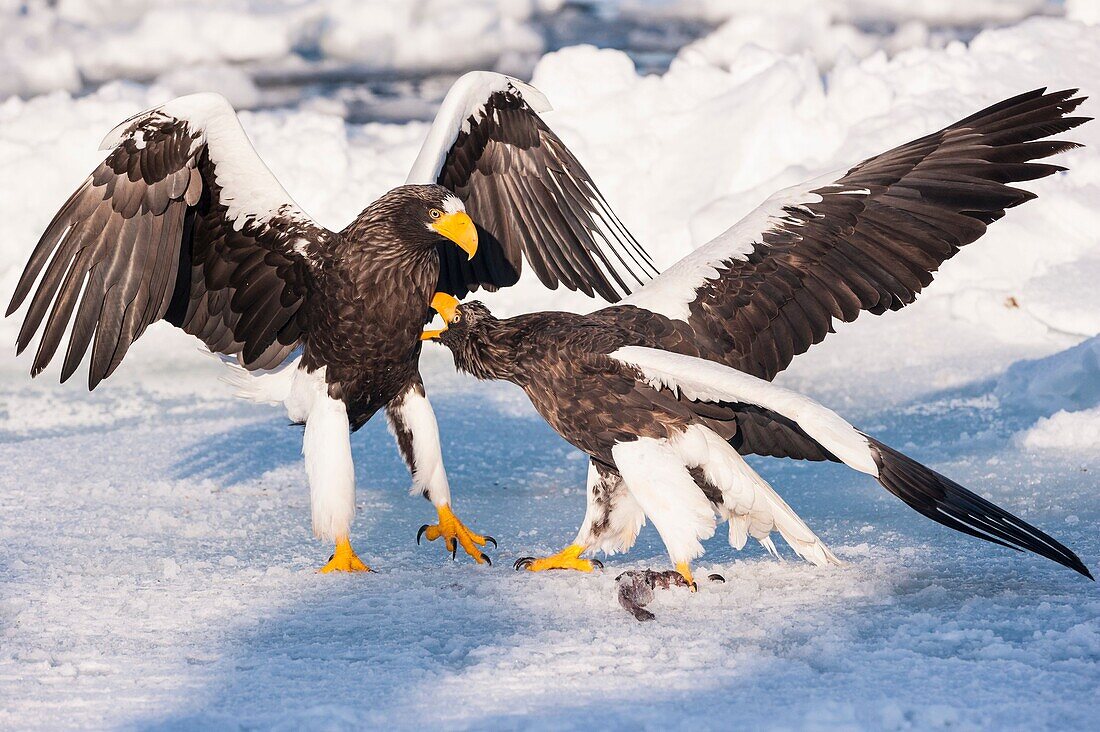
[
  {"x": 666, "y": 391},
  {"x": 183, "y": 222}
]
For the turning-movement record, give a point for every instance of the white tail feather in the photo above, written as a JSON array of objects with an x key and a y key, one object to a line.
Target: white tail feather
[
  {"x": 751, "y": 505},
  {"x": 768, "y": 544},
  {"x": 262, "y": 387},
  {"x": 796, "y": 533},
  {"x": 739, "y": 531}
]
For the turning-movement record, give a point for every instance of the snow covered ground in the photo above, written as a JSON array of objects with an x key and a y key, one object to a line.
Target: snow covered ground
[{"x": 156, "y": 564}]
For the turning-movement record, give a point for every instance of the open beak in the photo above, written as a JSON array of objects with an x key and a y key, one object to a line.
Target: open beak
[
  {"x": 445, "y": 305},
  {"x": 459, "y": 228}
]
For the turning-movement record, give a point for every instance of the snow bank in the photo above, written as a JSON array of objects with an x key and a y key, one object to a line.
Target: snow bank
[
  {"x": 1067, "y": 432},
  {"x": 1084, "y": 11},
  {"x": 48, "y": 47},
  {"x": 1068, "y": 380},
  {"x": 804, "y": 28},
  {"x": 434, "y": 34},
  {"x": 866, "y": 12},
  {"x": 1066, "y": 384},
  {"x": 60, "y": 46}
]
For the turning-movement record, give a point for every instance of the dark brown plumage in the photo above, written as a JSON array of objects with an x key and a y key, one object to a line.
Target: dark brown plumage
[
  {"x": 561, "y": 360},
  {"x": 531, "y": 196},
  {"x": 868, "y": 239},
  {"x": 165, "y": 247}
]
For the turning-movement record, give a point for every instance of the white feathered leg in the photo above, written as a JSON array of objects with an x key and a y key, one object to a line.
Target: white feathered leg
[
  {"x": 329, "y": 468},
  {"x": 655, "y": 474},
  {"x": 413, "y": 424},
  {"x": 612, "y": 517},
  {"x": 326, "y": 445}
]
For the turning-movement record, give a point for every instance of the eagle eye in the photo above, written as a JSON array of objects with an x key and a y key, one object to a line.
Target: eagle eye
[
  {"x": 457, "y": 318},
  {"x": 435, "y": 213}
]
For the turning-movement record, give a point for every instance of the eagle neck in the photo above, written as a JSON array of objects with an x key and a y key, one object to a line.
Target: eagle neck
[{"x": 492, "y": 353}]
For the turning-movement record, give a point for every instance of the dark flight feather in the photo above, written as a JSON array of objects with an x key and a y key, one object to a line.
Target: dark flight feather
[
  {"x": 877, "y": 234},
  {"x": 148, "y": 230},
  {"x": 534, "y": 199}
]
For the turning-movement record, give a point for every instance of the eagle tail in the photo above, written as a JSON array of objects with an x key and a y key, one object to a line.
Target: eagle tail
[{"x": 946, "y": 502}]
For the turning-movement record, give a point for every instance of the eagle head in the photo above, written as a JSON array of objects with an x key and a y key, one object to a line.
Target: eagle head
[
  {"x": 425, "y": 216},
  {"x": 465, "y": 334}
]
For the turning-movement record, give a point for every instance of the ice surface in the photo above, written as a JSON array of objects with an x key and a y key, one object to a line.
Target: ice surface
[{"x": 156, "y": 565}]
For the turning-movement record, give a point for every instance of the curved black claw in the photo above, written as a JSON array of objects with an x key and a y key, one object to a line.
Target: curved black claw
[
  {"x": 716, "y": 578},
  {"x": 522, "y": 563},
  {"x": 454, "y": 550},
  {"x": 489, "y": 538},
  {"x": 421, "y": 533},
  {"x": 487, "y": 559},
  {"x": 597, "y": 563}
]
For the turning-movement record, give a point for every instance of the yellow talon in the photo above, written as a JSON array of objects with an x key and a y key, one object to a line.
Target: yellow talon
[
  {"x": 455, "y": 533},
  {"x": 685, "y": 571},
  {"x": 567, "y": 558},
  {"x": 344, "y": 559}
]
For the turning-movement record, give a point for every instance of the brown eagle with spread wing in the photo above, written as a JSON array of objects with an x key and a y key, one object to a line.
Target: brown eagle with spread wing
[
  {"x": 666, "y": 391},
  {"x": 182, "y": 222}
]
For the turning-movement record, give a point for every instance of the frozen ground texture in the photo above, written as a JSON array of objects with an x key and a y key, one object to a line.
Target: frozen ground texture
[{"x": 156, "y": 567}]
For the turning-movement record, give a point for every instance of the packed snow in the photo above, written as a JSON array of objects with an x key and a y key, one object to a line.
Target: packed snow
[
  {"x": 50, "y": 45},
  {"x": 156, "y": 559}
]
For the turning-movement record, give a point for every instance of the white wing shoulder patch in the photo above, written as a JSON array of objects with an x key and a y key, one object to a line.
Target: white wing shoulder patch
[{"x": 701, "y": 380}]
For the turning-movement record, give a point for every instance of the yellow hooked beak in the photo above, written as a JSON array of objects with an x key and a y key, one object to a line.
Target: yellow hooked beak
[
  {"x": 445, "y": 305},
  {"x": 459, "y": 228}
]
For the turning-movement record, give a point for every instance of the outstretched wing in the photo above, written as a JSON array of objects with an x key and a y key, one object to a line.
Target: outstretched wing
[
  {"x": 868, "y": 239},
  {"x": 182, "y": 221},
  {"x": 712, "y": 386},
  {"x": 528, "y": 193}
]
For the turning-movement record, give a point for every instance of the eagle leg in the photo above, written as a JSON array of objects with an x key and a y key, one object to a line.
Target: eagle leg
[
  {"x": 567, "y": 558},
  {"x": 455, "y": 533},
  {"x": 344, "y": 559}
]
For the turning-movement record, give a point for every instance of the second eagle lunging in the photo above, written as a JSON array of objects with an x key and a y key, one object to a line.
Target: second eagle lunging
[{"x": 666, "y": 391}]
